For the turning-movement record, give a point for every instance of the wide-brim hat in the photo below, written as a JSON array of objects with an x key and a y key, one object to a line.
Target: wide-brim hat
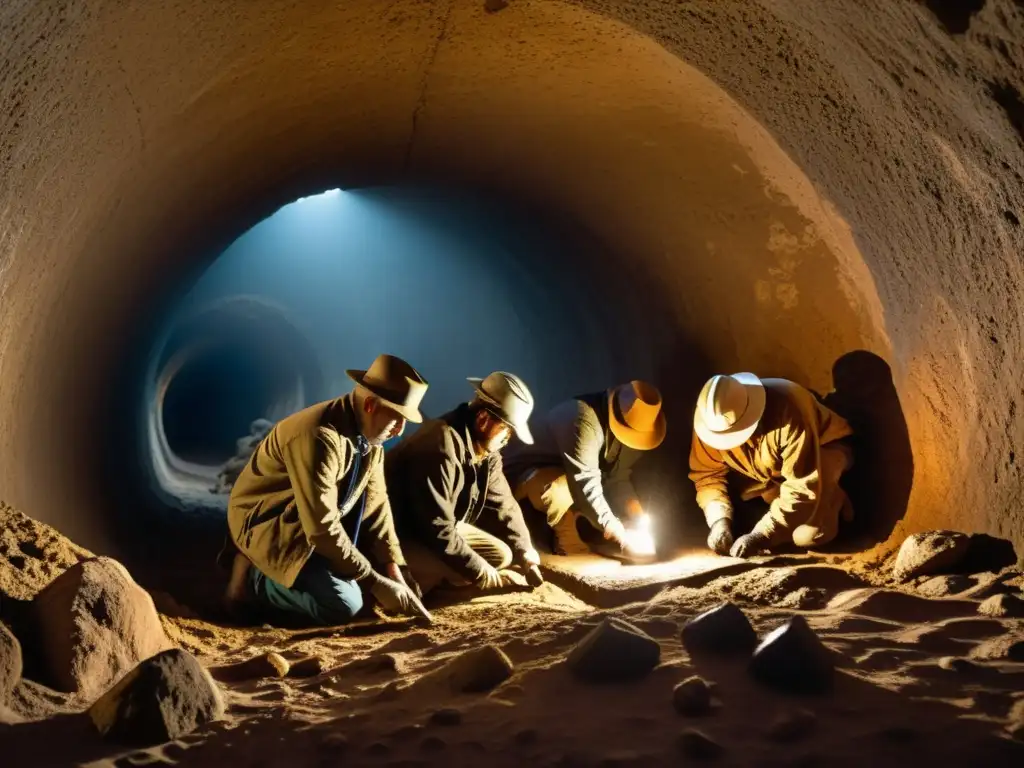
[
  {"x": 395, "y": 383},
  {"x": 635, "y": 415},
  {"x": 510, "y": 398},
  {"x": 729, "y": 410}
]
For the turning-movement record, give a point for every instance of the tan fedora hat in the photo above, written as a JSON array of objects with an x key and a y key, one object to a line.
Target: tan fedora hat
[
  {"x": 511, "y": 399},
  {"x": 398, "y": 385},
  {"x": 728, "y": 410},
  {"x": 635, "y": 415}
]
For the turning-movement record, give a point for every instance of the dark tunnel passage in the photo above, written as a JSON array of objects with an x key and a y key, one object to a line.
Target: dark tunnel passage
[{"x": 713, "y": 229}]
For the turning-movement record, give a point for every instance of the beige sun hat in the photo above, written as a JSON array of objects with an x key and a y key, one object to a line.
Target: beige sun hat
[
  {"x": 510, "y": 398},
  {"x": 396, "y": 383},
  {"x": 635, "y": 416},
  {"x": 728, "y": 410}
]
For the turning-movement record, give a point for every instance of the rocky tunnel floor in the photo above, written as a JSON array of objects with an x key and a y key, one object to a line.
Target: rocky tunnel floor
[{"x": 928, "y": 670}]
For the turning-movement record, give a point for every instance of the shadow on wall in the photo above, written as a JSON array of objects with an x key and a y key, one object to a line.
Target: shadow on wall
[{"x": 883, "y": 473}]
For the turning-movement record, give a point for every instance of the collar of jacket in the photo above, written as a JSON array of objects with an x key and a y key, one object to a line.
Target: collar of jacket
[
  {"x": 341, "y": 415},
  {"x": 462, "y": 421}
]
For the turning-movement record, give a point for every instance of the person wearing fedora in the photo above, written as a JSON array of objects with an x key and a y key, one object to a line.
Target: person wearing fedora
[
  {"x": 310, "y": 512},
  {"x": 453, "y": 506},
  {"x": 583, "y": 460},
  {"x": 788, "y": 448}
]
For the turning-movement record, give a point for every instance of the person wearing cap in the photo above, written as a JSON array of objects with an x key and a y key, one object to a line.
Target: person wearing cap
[
  {"x": 309, "y": 518},
  {"x": 583, "y": 460},
  {"x": 458, "y": 519},
  {"x": 788, "y": 448}
]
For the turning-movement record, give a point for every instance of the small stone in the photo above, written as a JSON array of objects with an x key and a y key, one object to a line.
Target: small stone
[
  {"x": 724, "y": 629},
  {"x": 10, "y": 663},
  {"x": 692, "y": 697},
  {"x": 791, "y": 726},
  {"x": 526, "y": 736},
  {"x": 1003, "y": 607},
  {"x": 476, "y": 671},
  {"x": 698, "y": 745},
  {"x": 164, "y": 698},
  {"x": 433, "y": 744},
  {"x": 957, "y": 664},
  {"x": 264, "y": 665},
  {"x": 447, "y": 716},
  {"x": 311, "y": 666},
  {"x": 1015, "y": 721},
  {"x": 493, "y": 6},
  {"x": 334, "y": 742},
  {"x": 614, "y": 651},
  {"x": 792, "y": 658},
  {"x": 930, "y": 552}
]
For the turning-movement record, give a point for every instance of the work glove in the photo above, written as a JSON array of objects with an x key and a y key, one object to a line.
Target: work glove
[
  {"x": 395, "y": 597},
  {"x": 720, "y": 537},
  {"x": 749, "y": 545},
  {"x": 492, "y": 579},
  {"x": 616, "y": 531},
  {"x": 533, "y": 576},
  {"x": 410, "y": 582}
]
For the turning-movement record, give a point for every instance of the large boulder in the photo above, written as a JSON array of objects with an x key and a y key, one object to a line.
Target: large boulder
[
  {"x": 614, "y": 651},
  {"x": 930, "y": 552},
  {"x": 10, "y": 664},
  {"x": 94, "y": 624},
  {"x": 793, "y": 658},
  {"x": 164, "y": 698},
  {"x": 724, "y": 629}
]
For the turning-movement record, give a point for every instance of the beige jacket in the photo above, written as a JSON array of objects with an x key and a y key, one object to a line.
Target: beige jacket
[
  {"x": 298, "y": 494},
  {"x": 783, "y": 452}
]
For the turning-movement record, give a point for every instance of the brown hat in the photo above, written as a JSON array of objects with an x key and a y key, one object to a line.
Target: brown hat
[
  {"x": 398, "y": 385},
  {"x": 635, "y": 416}
]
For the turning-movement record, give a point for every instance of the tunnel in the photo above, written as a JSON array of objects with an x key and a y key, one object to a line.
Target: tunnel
[{"x": 769, "y": 187}]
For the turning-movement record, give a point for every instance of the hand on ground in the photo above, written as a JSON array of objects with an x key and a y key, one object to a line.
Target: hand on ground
[
  {"x": 395, "y": 597},
  {"x": 533, "y": 576},
  {"x": 720, "y": 537},
  {"x": 749, "y": 545}
]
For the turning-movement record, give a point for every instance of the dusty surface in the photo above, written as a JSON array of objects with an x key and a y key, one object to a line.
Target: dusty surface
[
  {"x": 921, "y": 679},
  {"x": 847, "y": 174}
]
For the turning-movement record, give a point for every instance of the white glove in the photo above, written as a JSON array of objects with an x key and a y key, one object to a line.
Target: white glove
[
  {"x": 493, "y": 579},
  {"x": 397, "y": 598},
  {"x": 531, "y": 557}
]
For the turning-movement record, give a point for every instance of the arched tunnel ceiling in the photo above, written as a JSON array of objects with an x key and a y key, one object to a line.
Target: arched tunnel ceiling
[{"x": 796, "y": 183}]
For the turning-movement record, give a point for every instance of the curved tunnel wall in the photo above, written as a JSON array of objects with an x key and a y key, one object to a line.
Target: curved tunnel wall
[{"x": 862, "y": 197}]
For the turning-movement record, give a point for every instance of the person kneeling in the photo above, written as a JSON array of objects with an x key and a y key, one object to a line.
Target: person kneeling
[
  {"x": 789, "y": 448},
  {"x": 315, "y": 483},
  {"x": 455, "y": 511}
]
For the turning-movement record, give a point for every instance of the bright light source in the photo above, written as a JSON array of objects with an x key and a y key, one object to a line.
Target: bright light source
[{"x": 640, "y": 537}]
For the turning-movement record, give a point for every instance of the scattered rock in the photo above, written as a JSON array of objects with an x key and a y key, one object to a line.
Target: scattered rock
[
  {"x": 1003, "y": 606},
  {"x": 10, "y": 663},
  {"x": 475, "y": 671},
  {"x": 987, "y": 554},
  {"x": 944, "y": 586},
  {"x": 447, "y": 716},
  {"x": 311, "y": 666},
  {"x": 269, "y": 664},
  {"x": 493, "y": 6},
  {"x": 792, "y": 726},
  {"x": 692, "y": 697},
  {"x": 793, "y": 658},
  {"x": 724, "y": 629},
  {"x": 164, "y": 698},
  {"x": 930, "y": 552},
  {"x": 999, "y": 648},
  {"x": 957, "y": 664},
  {"x": 95, "y": 624},
  {"x": 1015, "y": 721},
  {"x": 698, "y": 745},
  {"x": 383, "y": 662},
  {"x": 614, "y": 651}
]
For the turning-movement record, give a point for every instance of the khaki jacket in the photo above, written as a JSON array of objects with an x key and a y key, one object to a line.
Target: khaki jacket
[
  {"x": 302, "y": 491},
  {"x": 784, "y": 451}
]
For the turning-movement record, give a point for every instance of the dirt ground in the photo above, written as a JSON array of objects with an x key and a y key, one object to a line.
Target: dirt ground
[{"x": 923, "y": 679}]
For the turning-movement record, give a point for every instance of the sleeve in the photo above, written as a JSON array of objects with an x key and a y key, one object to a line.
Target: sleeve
[
  {"x": 618, "y": 487},
  {"x": 315, "y": 463},
  {"x": 580, "y": 439},
  {"x": 508, "y": 515},
  {"x": 710, "y": 476},
  {"x": 434, "y": 509},
  {"x": 379, "y": 523},
  {"x": 800, "y": 490}
]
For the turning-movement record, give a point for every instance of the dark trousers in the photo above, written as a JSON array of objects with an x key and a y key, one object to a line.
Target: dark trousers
[{"x": 317, "y": 596}]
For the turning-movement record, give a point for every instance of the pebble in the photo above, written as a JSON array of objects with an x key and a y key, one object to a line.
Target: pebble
[{"x": 692, "y": 697}]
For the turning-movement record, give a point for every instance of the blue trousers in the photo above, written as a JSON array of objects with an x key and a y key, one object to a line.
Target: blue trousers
[{"x": 317, "y": 596}]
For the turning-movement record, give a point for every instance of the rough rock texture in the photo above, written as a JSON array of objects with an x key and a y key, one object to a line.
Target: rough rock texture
[
  {"x": 32, "y": 554},
  {"x": 10, "y": 663},
  {"x": 1003, "y": 606},
  {"x": 692, "y": 697},
  {"x": 796, "y": 247},
  {"x": 614, "y": 651},
  {"x": 724, "y": 629},
  {"x": 793, "y": 658},
  {"x": 475, "y": 671},
  {"x": 929, "y": 552},
  {"x": 95, "y": 624},
  {"x": 165, "y": 697},
  {"x": 269, "y": 664}
]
